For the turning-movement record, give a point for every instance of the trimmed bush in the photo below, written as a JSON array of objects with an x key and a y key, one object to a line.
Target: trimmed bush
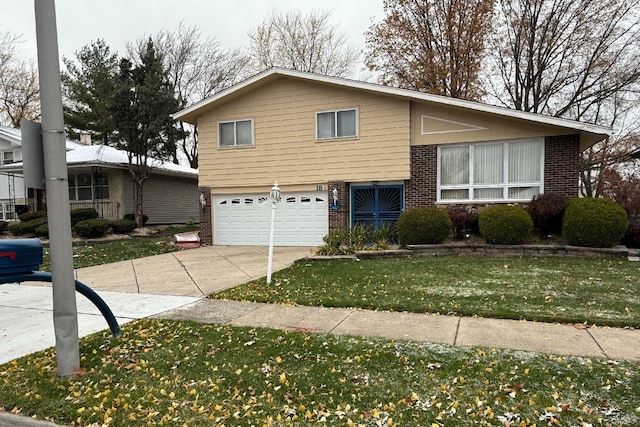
[
  {"x": 464, "y": 222},
  {"x": 505, "y": 225},
  {"x": 42, "y": 231},
  {"x": 547, "y": 211},
  {"x": 26, "y": 227},
  {"x": 28, "y": 216},
  {"x": 423, "y": 226},
  {"x": 123, "y": 226},
  {"x": 132, "y": 217},
  {"x": 595, "y": 223},
  {"x": 4, "y": 226},
  {"x": 95, "y": 227},
  {"x": 82, "y": 214}
]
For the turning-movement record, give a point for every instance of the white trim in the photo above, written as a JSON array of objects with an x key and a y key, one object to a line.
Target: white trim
[
  {"x": 468, "y": 127},
  {"x": 599, "y": 132}
]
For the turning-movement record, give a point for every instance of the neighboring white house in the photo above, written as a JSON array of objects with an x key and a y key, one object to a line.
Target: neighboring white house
[{"x": 98, "y": 178}]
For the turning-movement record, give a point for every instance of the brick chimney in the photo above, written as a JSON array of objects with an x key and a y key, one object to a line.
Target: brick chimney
[{"x": 85, "y": 138}]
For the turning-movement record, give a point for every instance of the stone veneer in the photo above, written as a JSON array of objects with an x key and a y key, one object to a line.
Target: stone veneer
[{"x": 206, "y": 227}]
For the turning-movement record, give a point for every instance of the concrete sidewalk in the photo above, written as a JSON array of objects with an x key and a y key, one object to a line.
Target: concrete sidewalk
[{"x": 573, "y": 340}]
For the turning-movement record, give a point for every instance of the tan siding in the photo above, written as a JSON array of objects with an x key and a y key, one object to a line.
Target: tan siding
[
  {"x": 454, "y": 126},
  {"x": 285, "y": 146},
  {"x": 171, "y": 200}
]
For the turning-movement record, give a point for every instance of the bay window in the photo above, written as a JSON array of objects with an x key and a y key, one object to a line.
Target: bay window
[{"x": 495, "y": 171}]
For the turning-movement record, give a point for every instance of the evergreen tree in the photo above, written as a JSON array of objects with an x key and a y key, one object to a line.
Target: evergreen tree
[
  {"x": 89, "y": 87},
  {"x": 141, "y": 111}
]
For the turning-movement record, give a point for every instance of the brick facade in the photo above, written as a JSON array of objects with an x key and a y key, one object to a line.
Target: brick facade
[
  {"x": 562, "y": 164},
  {"x": 206, "y": 227},
  {"x": 339, "y": 218},
  {"x": 420, "y": 190}
]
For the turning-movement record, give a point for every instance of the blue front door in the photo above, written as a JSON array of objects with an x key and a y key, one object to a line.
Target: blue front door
[{"x": 376, "y": 204}]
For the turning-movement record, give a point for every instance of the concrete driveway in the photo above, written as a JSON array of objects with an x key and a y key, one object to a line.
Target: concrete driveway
[{"x": 193, "y": 272}]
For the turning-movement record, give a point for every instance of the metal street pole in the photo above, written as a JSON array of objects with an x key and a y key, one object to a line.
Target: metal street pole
[
  {"x": 65, "y": 312},
  {"x": 274, "y": 195}
]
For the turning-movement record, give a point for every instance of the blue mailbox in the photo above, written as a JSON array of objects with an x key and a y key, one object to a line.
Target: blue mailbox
[{"x": 20, "y": 255}]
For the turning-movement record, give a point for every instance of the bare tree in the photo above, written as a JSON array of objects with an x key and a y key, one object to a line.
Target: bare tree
[
  {"x": 571, "y": 59},
  {"x": 434, "y": 46},
  {"x": 301, "y": 42},
  {"x": 196, "y": 68},
  {"x": 565, "y": 58},
  {"x": 19, "y": 87}
]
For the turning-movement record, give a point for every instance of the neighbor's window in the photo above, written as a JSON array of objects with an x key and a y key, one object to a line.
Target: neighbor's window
[
  {"x": 81, "y": 187},
  {"x": 336, "y": 124},
  {"x": 235, "y": 133},
  {"x": 7, "y": 157},
  {"x": 498, "y": 171}
]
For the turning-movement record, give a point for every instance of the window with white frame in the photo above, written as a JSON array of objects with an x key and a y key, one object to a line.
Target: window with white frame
[
  {"x": 337, "y": 124},
  {"x": 235, "y": 133},
  {"x": 7, "y": 157},
  {"x": 82, "y": 187},
  {"x": 496, "y": 171}
]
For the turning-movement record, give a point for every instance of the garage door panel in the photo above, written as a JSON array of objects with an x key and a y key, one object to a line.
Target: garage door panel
[{"x": 244, "y": 219}]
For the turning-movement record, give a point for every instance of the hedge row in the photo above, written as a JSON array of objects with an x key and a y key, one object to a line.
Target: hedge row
[
  {"x": 583, "y": 222},
  {"x": 84, "y": 222}
]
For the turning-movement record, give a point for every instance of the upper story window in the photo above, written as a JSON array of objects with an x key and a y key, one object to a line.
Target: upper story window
[
  {"x": 7, "y": 157},
  {"x": 235, "y": 133},
  {"x": 501, "y": 171},
  {"x": 337, "y": 124}
]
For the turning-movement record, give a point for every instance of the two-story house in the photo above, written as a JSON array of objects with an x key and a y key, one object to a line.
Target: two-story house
[{"x": 382, "y": 149}]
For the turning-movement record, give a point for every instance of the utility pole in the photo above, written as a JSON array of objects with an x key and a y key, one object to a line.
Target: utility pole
[{"x": 65, "y": 312}]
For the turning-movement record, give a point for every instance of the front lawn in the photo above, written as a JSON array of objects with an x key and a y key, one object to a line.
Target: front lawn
[
  {"x": 553, "y": 289},
  {"x": 186, "y": 374}
]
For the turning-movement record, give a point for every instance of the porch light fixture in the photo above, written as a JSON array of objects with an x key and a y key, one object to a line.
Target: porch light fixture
[
  {"x": 336, "y": 204},
  {"x": 274, "y": 195}
]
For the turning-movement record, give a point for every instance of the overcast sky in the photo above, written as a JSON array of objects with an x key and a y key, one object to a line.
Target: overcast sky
[{"x": 118, "y": 21}]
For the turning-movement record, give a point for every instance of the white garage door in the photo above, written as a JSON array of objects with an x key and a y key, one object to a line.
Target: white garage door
[{"x": 244, "y": 219}]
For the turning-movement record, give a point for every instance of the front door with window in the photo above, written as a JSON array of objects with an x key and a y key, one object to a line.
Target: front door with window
[{"x": 376, "y": 204}]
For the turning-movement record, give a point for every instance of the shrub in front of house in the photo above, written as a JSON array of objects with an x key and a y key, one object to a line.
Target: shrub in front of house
[
  {"x": 132, "y": 217},
  {"x": 505, "y": 225},
  {"x": 464, "y": 222},
  {"x": 28, "y": 216},
  {"x": 82, "y": 214},
  {"x": 123, "y": 226},
  {"x": 632, "y": 235},
  {"x": 26, "y": 227},
  {"x": 547, "y": 211},
  {"x": 95, "y": 227},
  {"x": 595, "y": 223},
  {"x": 423, "y": 226},
  {"x": 42, "y": 231},
  {"x": 4, "y": 226}
]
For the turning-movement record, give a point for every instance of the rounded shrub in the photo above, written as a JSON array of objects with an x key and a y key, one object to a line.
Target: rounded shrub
[
  {"x": 123, "y": 226},
  {"x": 132, "y": 217},
  {"x": 547, "y": 211},
  {"x": 423, "y": 226},
  {"x": 505, "y": 225},
  {"x": 28, "y": 216},
  {"x": 42, "y": 231},
  {"x": 596, "y": 223},
  {"x": 82, "y": 214},
  {"x": 4, "y": 226},
  {"x": 26, "y": 227},
  {"x": 95, "y": 227}
]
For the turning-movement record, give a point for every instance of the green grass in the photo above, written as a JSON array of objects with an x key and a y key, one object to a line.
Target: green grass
[
  {"x": 567, "y": 290},
  {"x": 96, "y": 252},
  {"x": 181, "y": 373}
]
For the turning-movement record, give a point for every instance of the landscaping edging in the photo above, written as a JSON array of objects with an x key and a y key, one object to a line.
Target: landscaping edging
[{"x": 490, "y": 250}]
